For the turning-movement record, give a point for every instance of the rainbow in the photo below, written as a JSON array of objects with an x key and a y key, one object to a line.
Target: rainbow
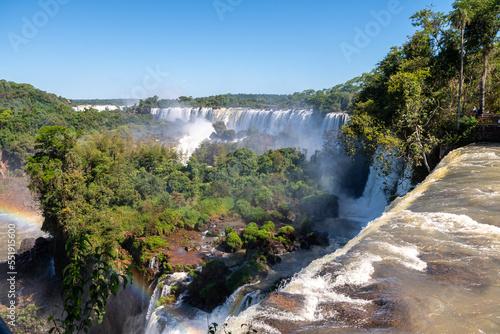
[{"x": 27, "y": 225}]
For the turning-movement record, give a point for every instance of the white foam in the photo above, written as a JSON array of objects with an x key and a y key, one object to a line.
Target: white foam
[
  {"x": 358, "y": 272},
  {"x": 406, "y": 255},
  {"x": 454, "y": 224}
]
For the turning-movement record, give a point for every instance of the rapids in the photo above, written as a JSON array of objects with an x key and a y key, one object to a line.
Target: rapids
[{"x": 429, "y": 264}]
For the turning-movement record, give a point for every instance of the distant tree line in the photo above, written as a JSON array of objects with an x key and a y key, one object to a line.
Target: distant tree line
[
  {"x": 335, "y": 99},
  {"x": 25, "y": 109}
]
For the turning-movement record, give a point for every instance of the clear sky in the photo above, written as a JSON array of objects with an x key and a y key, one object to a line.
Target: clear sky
[{"x": 169, "y": 48}]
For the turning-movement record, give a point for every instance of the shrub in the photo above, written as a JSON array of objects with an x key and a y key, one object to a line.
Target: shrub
[
  {"x": 216, "y": 206},
  {"x": 287, "y": 232},
  {"x": 233, "y": 242},
  {"x": 262, "y": 235},
  {"x": 285, "y": 209},
  {"x": 306, "y": 224},
  {"x": 250, "y": 234},
  {"x": 277, "y": 216},
  {"x": 257, "y": 215},
  {"x": 263, "y": 197},
  {"x": 155, "y": 242},
  {"x": 205, "y": 218},
  {"x": 244, "y": 274},
  {"x": 268, "y": 226},
  {"x": 243, "y": 207},
  {"x": 164, "y": 228}
]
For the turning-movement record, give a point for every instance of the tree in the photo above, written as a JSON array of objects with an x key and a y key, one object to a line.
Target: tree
[
  {"x": 412, "y": 116},
  {"x": 53, "y": 174},
  {"x": 90, "y": 270},
  {"x": 146, "y": 105},
  {"x": 460, "y": 17},
  {"x": 481, "y": 34}
]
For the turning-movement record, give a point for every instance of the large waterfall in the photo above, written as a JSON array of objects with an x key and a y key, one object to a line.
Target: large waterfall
[
  {"x": 429, "y": 264},
  {"x": 305, "y": 128}
]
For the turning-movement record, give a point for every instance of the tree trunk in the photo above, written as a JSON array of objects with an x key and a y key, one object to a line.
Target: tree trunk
[
  {"x": 487, "y": 52},
  {"x": 461, "y": 78},
  {"x": 424, "y": 156}
]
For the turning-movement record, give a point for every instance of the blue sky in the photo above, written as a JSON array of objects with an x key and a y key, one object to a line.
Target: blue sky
[{"x": 169, "y": 48}]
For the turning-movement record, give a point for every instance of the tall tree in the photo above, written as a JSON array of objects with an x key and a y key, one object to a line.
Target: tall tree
[
  {"x": 460, "y": 17},
  {"x": 481, "y": 34}
]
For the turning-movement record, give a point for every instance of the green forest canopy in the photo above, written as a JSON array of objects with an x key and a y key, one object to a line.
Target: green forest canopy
[{"x": 409, "y": 103}]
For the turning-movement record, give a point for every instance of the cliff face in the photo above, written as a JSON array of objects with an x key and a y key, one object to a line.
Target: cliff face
[{"x": 429, "y": 264}]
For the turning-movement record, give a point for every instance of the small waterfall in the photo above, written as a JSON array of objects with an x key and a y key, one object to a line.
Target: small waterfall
[
  {"x": 377, "y": 192},
  {"x": 152, "y": 262},
  {"x": 162, "y": 289},
  {"x": 180, "y": 318}
]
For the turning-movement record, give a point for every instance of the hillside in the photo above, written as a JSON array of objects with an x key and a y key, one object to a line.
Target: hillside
[
  {"x": 24, "y": 97},
  {"x": 25, "y": 109}
]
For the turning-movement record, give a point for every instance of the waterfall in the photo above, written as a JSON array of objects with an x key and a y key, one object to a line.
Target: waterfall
[
  {"x": 429, "y": 264},
  {"x": 181, "y": 318},
  {"x": 378, "y": 189},
  {"x": 305, "y": 128}
]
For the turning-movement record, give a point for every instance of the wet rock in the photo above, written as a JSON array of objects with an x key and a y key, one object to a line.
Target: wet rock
[
  {"x": 214, "y": 231},
  {"x": 242, "y": 134},
  {"x": 26, "y": 245},
  {"x": 150, "y": 274},
  {"x": 276, "y": 247},
  {"x": 208, "y": 289},
  {"x": 458, "y": 275},
  {"x": 283, "y": 302},
  {"x": 236, "y": 259},
  {"x": 315, "y": 239},
  {"x": 35, "y": 261}
]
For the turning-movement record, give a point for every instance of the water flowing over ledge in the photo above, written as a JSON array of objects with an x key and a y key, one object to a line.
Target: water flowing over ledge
[
  {"x": 307, "y": 127},
  {"x": 429, "y": 264}
]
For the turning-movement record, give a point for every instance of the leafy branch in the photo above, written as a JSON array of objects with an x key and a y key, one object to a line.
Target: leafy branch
[{"x": 87, "y": 268}]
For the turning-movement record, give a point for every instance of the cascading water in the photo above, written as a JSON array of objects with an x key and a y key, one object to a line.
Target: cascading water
[
  {"x": 181, "y": 318},
  {"x": 377, "y": 190},
  {"x": 307, "y": 127},
  {"x": 429, "y": 264}
]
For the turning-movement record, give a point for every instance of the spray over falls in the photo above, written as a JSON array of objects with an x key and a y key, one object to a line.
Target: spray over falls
[{"x": 305, "y": 128}]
